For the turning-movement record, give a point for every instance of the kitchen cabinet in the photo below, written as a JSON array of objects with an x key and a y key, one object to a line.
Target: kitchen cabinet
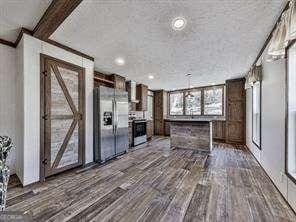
[
  {"x": 119, "y": 82},
  {"x": 235, "y": 111},
  {"x": 101, "y": 79},
  {"x": 219, "y": 131},
  {"x": 141, "y": 94},
  {"x": 167, "y": 128},
  {"x": 160, "y": 110},
  {"x": 130, "y": 133},
  {"x": 150, "y": 129}
]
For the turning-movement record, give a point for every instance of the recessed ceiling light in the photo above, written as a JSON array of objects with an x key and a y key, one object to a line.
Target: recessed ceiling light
[
  {"x": 119, "y": 61},
  {"x": 151, "y": 77},
  {"x": 179, "y": 23}
]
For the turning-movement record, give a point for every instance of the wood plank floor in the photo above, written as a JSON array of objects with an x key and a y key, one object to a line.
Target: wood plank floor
[{"x": 155, "y": 183}]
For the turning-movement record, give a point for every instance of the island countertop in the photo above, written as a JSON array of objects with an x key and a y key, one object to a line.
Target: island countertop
[{"x": 194, "y": 120}]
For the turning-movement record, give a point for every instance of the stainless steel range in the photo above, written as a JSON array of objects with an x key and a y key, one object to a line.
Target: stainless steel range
[{"x": 139, "y": 132}]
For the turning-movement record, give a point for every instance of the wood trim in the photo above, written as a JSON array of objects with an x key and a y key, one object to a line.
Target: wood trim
[
  {"x": 52, "y": 42},
  {"x": 53, "y": 17},
  {"x": 57, "y": 44},
  {"x": 196, "y": 88},
  {"x": 20, "y": 35},
  {"x": 103, "y": 80},
  {"x": 270, "y": 35},
  {"x": 42, "y": 122},
  {"x": 7, "y": 43}
]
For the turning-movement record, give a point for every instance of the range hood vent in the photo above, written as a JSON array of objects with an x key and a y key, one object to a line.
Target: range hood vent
[{"x": 131, "y": 88}]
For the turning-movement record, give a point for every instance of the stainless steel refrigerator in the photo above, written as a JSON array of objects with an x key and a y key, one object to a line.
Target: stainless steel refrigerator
[{"x": 110, "y": 123}]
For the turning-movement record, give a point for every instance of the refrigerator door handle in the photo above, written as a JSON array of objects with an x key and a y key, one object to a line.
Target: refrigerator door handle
[
  {"x": 116, "y": 116},
  {"x": 113, "y": 117}
]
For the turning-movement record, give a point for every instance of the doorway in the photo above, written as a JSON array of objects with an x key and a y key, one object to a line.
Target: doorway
[{"x": 62, "y": 116}]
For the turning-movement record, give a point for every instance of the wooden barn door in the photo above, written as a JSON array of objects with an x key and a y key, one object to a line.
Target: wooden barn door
[{"x": 62, "y": 116}]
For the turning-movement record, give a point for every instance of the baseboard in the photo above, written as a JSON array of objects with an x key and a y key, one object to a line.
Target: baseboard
[{"x": 248, "y": 149}]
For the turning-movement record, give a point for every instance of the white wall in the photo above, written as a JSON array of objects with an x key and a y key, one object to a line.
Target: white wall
[
  {"x": 272, "y": 154},
  {"x": 9, "y": 100},
  {"x": 32, "y": 48}
]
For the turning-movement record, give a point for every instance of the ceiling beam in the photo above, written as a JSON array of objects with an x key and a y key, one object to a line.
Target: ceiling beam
[{"x": 53, "y": 17}]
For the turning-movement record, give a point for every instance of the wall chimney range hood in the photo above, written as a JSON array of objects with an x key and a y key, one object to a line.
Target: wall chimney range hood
[{"x": 131, "y": 88}]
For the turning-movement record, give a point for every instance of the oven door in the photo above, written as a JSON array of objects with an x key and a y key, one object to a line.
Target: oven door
[{"x": 139, "y": 133}]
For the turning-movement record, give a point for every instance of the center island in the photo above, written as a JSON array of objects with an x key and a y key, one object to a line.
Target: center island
[{"x": 194, "y": 134}]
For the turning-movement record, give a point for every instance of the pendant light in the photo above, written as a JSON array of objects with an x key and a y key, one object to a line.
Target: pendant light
[{"x": 188, "y": 94}]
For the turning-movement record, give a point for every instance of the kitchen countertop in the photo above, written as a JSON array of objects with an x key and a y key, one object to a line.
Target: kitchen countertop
[{"x": 194, "y": 120}]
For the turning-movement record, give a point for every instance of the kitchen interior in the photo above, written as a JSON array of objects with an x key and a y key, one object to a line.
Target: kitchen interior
[
  {"x": 179, "y": 116},
  {"x": 139, "y": 112},
  {"x": 214, "y": 113}
]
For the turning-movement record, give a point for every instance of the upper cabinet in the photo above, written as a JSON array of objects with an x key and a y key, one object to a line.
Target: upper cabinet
[
  {"x": 119, "y": 82},
  {"x": 101, "y": 79},
  {"x": 142, "y": 93}
]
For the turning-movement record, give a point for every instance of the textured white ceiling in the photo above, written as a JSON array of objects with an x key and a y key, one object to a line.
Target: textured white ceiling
[
  {"x": 15, "y": 14},
  {"x": 220, "y": 41}
]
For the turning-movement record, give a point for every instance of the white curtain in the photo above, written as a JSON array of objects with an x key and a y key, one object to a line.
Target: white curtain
[
  {"x": 279, "y": 41},
  {"x": 292, "y": 20},
  {"x": 254, "y": 75},
  {"x": 284, "y": 32}
]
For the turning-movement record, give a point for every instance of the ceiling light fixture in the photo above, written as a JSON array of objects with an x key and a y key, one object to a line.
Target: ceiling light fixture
[
  {"x": 188, "y": 94},
  {"x": 151, "y": 77},
  {"x": 179, "y": 23},
  {"x": 119, "y": 61}
]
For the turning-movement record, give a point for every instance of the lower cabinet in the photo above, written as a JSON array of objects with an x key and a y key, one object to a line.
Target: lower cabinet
[
  {"x": 167, "y": 128},
  {"x": 150, "y": 129},
  {"x": 219, "y": 130}
]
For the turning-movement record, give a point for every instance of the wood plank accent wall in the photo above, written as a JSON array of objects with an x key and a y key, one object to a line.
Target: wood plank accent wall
[
  {"x": 235, "y": 111},
  {"x": 160, "y": 109}
]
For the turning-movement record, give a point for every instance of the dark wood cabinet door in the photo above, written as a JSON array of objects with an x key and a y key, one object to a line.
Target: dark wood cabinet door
[
  {"x": 219, "y": 130},
  {"x": 62, "y": 116},
  {"x": 142, "y": 94},
  {"x": 236, "y": 111},
  {"x": 150, "y": 129},
  {"x": 119, "y": 82}
]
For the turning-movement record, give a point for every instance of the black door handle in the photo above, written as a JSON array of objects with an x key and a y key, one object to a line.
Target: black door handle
[{"x": 44, "y": 161}]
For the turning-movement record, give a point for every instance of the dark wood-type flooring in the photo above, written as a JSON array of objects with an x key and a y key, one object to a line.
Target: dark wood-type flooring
[{"x": 155, "y": 183}]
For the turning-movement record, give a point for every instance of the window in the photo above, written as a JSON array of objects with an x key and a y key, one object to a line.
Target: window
[
  {"x": 291, "y": 114},
  {"x": 256, "y": 113},
  {"x": 193, "y": 103},
  {"x": 213, "y": 101},
  {"x": 176, "y": 103},
  {"x": 202, "y": 101}
]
